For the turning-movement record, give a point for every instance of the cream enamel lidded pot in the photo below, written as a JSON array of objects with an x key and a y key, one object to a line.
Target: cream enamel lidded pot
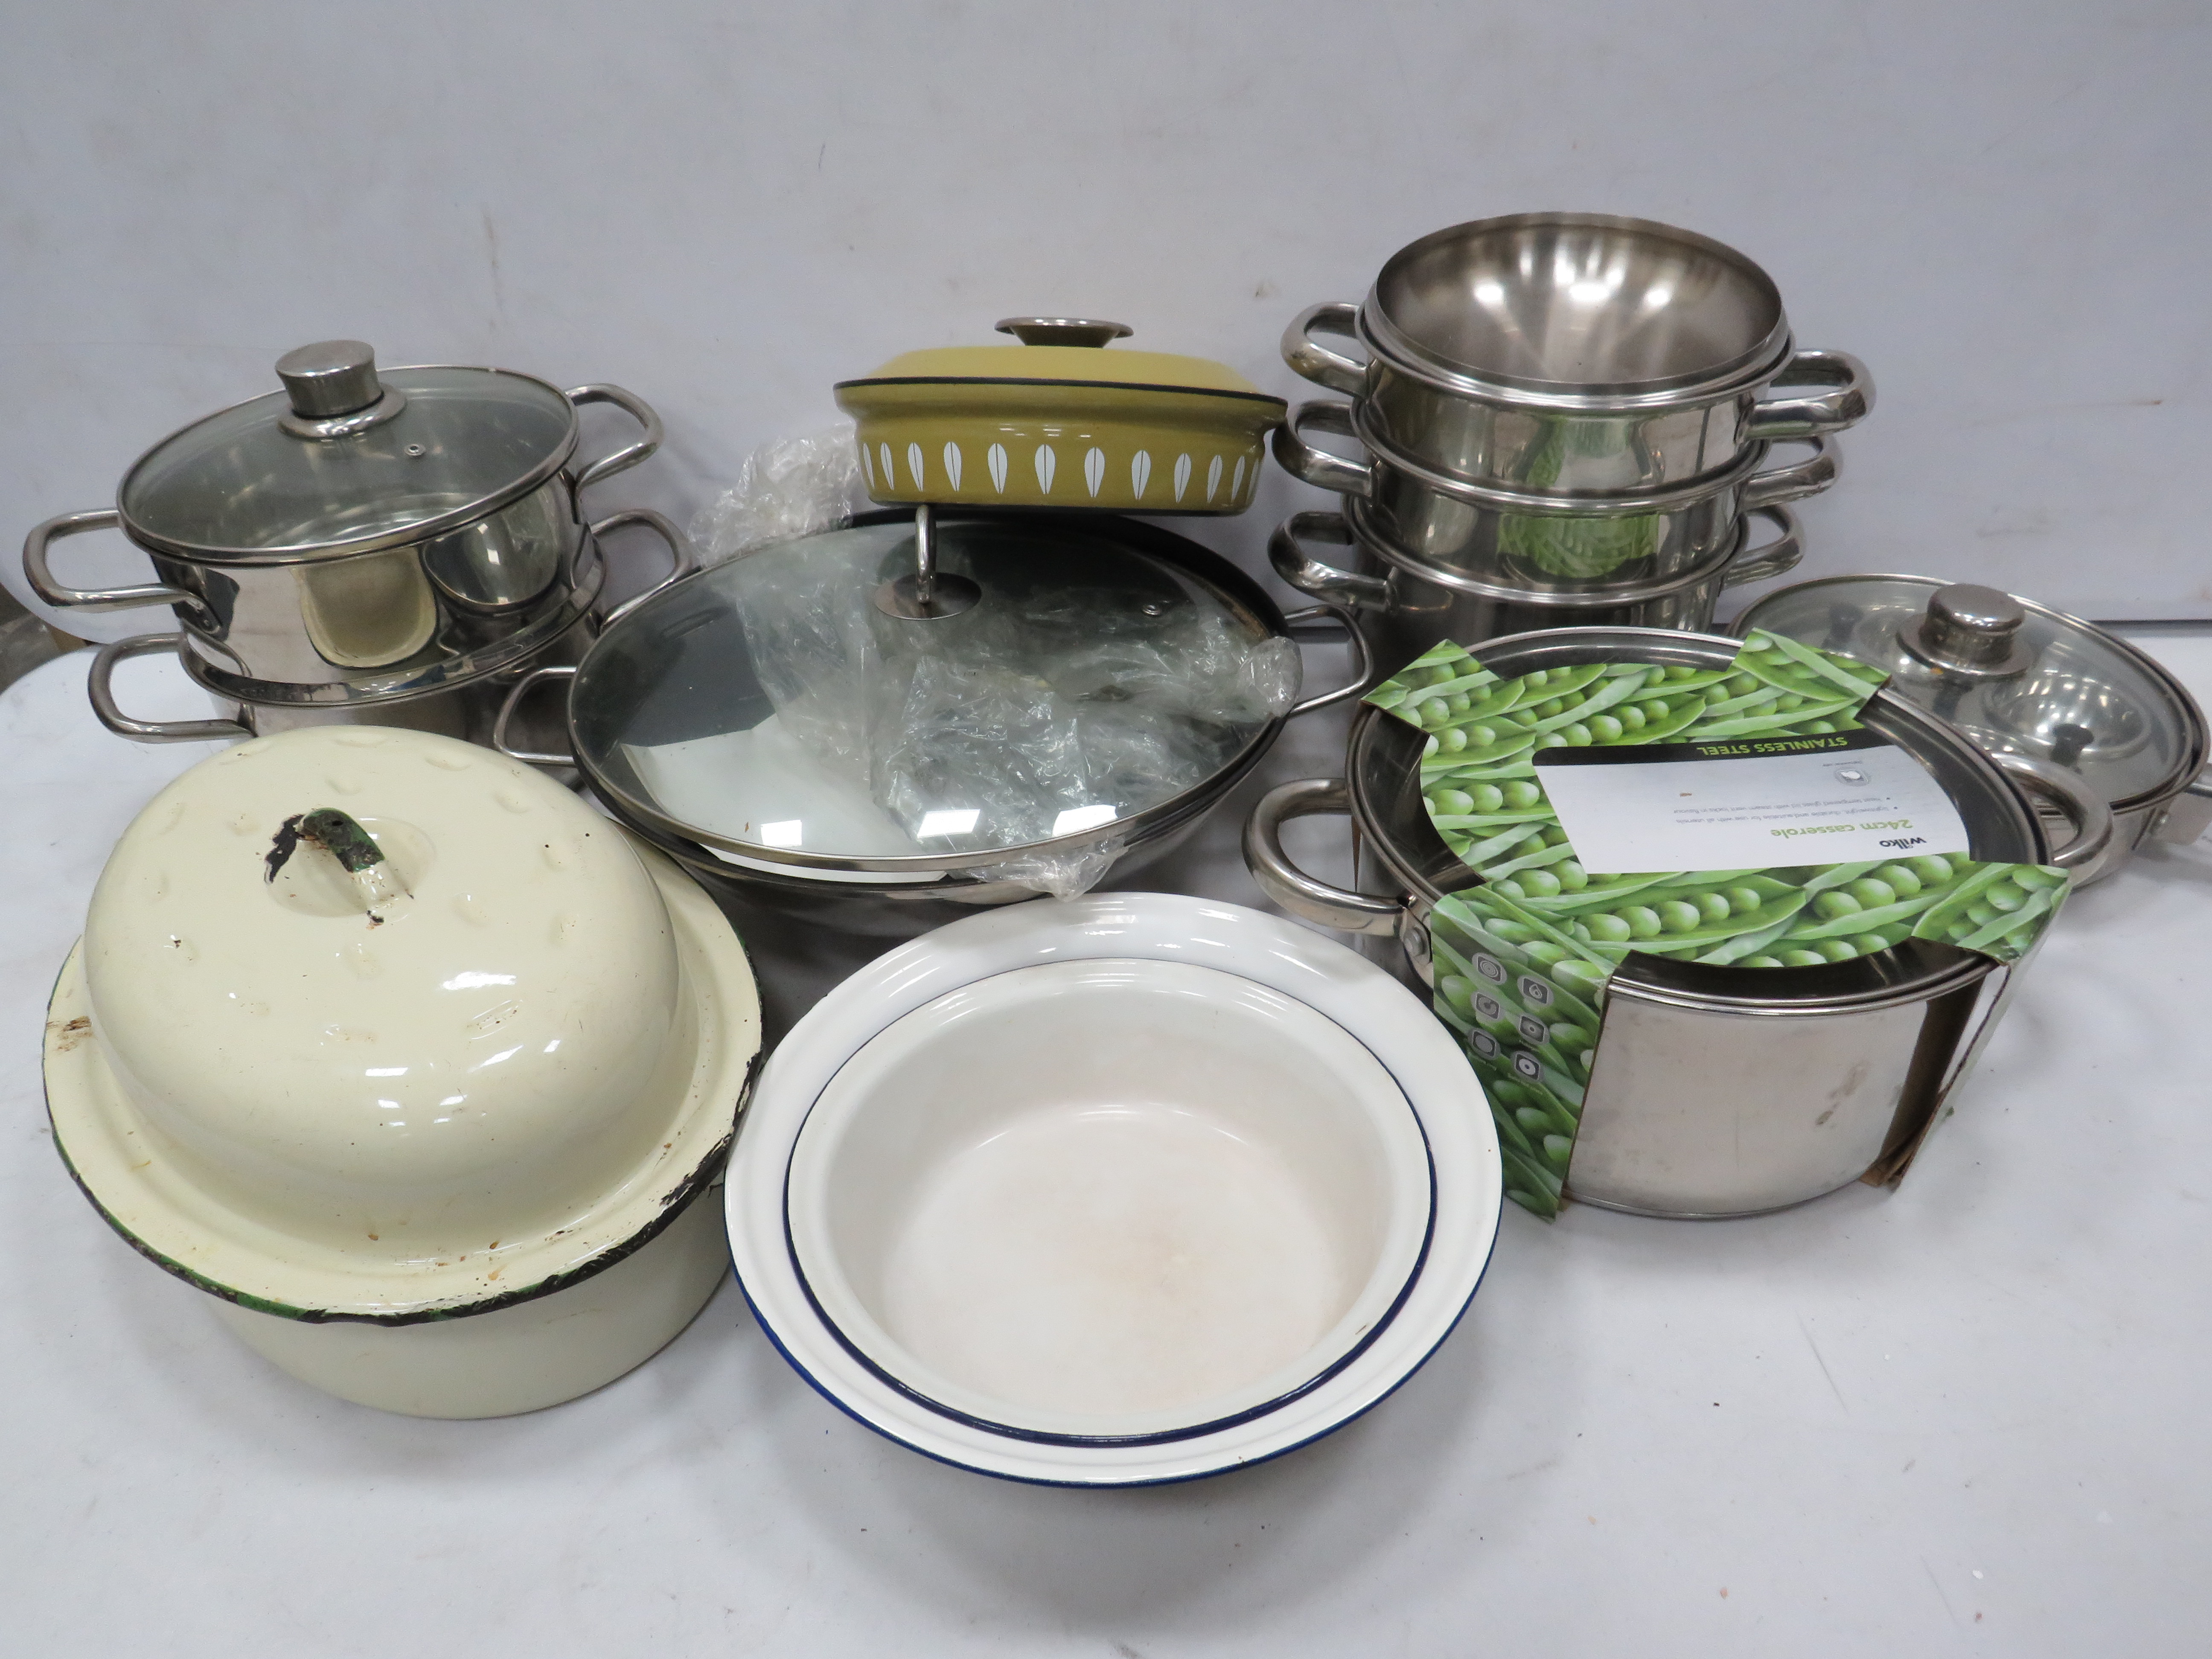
[{"x": 412, "y": 1062}]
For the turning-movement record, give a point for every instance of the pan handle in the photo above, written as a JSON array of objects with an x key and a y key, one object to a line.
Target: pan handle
[
  {"x": 1756, "y": 564},
  {"x": 628, "y": 456},
  {"x": 2091, "y": 853},
  {"x": 1317, "y": 467},
  {"x": 42, "y": 580},
  {"x": 685, "y": 557},
  {"x": 1364, "y": 659},
  {"x": 1303, "y": 896},
  {"x": 1287, "y": 552},
  {"x": 1318, "y": 363},
  {"x": 1796, "y": 481},
  {"x": 1832, "y": 411},
  {"x": 100, "y": 688},
  {"x": 522, "y": 689},
  {"x": 2188, "y": 814}
]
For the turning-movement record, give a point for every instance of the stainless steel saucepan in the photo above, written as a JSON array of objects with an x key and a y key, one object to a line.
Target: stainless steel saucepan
[
  {"x": 1715, "y": 1091},
  {"x": 363, "y": 538}
]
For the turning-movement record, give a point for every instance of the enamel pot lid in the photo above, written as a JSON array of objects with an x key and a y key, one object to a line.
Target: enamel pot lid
[
  {"x": 2016, "y": 677},
  {"x": 347, "y": 458},
  {"x": 387, "y": 1027},
  {"x": 1062, "y": 351},
  {"x": 1063, "y": 681},
  {"x": 1061, "y": 420}
]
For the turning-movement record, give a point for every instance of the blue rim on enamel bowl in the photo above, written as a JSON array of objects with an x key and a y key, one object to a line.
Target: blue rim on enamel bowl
[
  {"x": 1277, "y": 955},
  {"x": 1294, "y": 1044}
]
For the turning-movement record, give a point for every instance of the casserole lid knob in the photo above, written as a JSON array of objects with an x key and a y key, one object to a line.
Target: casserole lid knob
[
  {"x": 1062, "y": 331},
  {"x": 1970, "y": 629},
  {"x": 332, "y": 377}
]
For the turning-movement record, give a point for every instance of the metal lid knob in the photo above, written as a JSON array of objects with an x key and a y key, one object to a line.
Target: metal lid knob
[
  {"x": 333, "y": 377},
  {"x": 1062, "y": 331},
  {"x": 1970, "y": 630}
]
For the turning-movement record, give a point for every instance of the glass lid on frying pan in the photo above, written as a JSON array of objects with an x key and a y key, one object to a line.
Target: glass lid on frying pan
[
  {"x": 347, "y": 458},
  {"x": 825, "y": 703},
  {"x": 2016, "y": 677}
]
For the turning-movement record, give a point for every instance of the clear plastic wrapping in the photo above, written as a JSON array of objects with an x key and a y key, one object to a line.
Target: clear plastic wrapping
[{"x": 791, "y": 487}]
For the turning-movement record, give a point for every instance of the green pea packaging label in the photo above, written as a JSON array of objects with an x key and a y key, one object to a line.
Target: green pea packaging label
[{"x": 1597, "y": 803}]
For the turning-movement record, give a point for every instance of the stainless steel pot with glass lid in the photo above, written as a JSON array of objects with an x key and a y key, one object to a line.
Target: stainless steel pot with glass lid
[
  {"x": 1574, "y": 353},
  {"x": 363, "y": 538},
  {"x": 1698, "y": 1105},
  {"x": 2021, "y": 678},
  {"x": 825, "y": 727}
]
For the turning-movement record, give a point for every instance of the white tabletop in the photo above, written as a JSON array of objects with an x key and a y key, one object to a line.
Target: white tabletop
[{"x": 1962, "y": 1416}]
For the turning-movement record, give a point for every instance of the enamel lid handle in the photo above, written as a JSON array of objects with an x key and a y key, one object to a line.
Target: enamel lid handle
[{"x": 1062, "y": 331}]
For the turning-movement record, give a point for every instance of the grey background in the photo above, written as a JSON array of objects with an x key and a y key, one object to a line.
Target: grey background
[
  {"x": 1855, "y": 1428},
  {"x": 2002, "y": 208}
]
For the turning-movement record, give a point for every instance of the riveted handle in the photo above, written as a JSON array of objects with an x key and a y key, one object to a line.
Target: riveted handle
[
  {"x": 523, "y": 688},
  {"x": 1831, "y": 412},
  {"x": 1756, "y": 564},
  {"x": 2092, "y": 853},
  {"x": 683, "y": 557},
  {"x": 1316, "y": 362},
  {"x": 2188, "y": 814},
  {"x": 1796, "y": 481},
  {"x": 624, "y": 458},
  {"x": 1364, "y": 659},
  {"x": 89, "y": 599},
  {"x": 1301, "y": 895},
  {"x": 1317, "y": 467},
  {"x": 100, "y": 688},
  {"x": 1287, "y": 553}
]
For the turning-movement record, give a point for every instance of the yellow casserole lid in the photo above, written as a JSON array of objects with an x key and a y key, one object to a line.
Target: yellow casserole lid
[{"x": 1065, "y": 351}]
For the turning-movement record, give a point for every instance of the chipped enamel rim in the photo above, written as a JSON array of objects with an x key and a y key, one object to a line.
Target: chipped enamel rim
[
  {"x": 1336, "y": 982},
  {"x": 176, "y": 1226}
]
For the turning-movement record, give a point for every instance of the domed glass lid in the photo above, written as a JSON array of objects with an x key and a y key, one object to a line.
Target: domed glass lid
[
  {"x": 2015, "y": 677},
  {"x": 804, "y": 705},
  {"x": 347, "y": 458}
]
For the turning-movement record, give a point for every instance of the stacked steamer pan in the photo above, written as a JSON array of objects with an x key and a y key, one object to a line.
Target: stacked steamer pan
[
  {"x": 995, "y": 686},
  {"x": 361, "y": 549},
  {"x": 1566, "y": 421}
]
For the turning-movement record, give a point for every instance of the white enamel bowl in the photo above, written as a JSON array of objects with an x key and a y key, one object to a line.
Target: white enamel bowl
[{"x": 1135, "y": 1188}]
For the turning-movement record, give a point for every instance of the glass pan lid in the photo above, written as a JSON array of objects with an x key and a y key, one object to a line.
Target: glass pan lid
[
  {"x": 241, "y": 484},
  {"x": 771, "y": 707},
  {"x": 2071, "y": 693}
]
